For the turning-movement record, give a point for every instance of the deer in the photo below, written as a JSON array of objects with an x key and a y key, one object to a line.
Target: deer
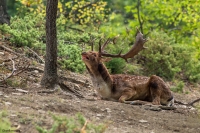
[{"x": 130, "y": 89}]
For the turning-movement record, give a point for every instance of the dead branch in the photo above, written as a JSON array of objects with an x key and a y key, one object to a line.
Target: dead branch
[
  {"x": 41, "y": 60},
  {"x": 192, "y": 103},
  {"x": 9, "y": 50},
  {"x": 7, "y": 60},
  {"x": 187, "y": 104},
  {"x": 35, "y": 68},
  {"x": 22, "y": 70},
  {"x": 13, "y": 71},
  {"x": 179, "y": 102}
]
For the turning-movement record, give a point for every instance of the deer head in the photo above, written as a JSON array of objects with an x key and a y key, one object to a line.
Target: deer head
[{"x": 93, "y": 59}]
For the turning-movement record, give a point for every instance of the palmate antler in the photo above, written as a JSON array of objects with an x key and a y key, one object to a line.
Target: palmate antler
[{"x": 136, "y": 48}]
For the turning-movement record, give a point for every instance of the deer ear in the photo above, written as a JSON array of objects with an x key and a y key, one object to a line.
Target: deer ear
[{"x": 106, "y": 59}]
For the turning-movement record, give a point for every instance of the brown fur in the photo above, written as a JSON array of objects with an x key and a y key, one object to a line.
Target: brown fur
[{"x": 126, "y": 87}]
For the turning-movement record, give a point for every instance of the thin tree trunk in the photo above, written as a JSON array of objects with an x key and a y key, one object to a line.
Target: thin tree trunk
[
  {"x": 4, "y": 17},
  {"x": 50, "y": 76}
]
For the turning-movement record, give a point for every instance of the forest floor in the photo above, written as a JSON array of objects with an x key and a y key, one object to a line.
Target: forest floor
[{"x": 28, "y": 105}]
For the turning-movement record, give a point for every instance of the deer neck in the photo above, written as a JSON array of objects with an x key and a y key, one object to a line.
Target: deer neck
[{"x": 100, "y": 74}]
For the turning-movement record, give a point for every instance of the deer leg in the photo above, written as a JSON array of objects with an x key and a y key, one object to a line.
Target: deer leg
[
  {"x": 127, "y": 94},
  {"x": 155, "y": 90}
]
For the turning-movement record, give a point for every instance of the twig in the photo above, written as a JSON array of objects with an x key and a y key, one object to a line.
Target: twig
[
  {"x": 72, "y": 28},
  {"x": 7, "y": 60},
  {"x": 179, "y": 102},
  {"x": 13, "y": 71},
  {"x": 23, "y": 69},
  {"x": 188, "y": 104},
  {"x": 34, "y": 68},
  {"x": 192, "y": 103},
  {"x": 9, "y": 50},
  {"x": 42, "y": 61}
]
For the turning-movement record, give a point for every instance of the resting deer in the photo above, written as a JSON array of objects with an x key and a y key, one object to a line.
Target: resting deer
[{"x": 126, "y": 88}]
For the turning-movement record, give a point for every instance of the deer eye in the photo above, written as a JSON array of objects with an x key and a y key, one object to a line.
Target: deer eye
[{"x": 95, "y": 55}]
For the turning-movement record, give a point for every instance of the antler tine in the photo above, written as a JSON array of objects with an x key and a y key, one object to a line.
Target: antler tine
[
  {"x": 105, "y": 44},
  {"x": 136, "y": 48},
  {"x": 100, "y": 46}
]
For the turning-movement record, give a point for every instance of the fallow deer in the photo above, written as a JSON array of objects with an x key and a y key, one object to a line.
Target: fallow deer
[{"x": 126, "y": 88}]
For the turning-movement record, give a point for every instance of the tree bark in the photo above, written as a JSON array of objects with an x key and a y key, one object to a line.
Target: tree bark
[
  {"x": 4, "y": 17},
  {"x": 50, "y": 77}
]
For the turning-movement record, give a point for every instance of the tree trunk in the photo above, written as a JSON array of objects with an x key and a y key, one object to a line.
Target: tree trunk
[
  {"x": 50, "y": 77},
  {"x": 4, "y": 17}
]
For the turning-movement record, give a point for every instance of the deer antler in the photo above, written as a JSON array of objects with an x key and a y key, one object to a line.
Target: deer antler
[{"x": 136, "y": 48}]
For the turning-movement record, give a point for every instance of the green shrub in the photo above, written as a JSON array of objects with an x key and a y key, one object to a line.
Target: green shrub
[
  {"x": 166, "y": 58},
  {"x": 70, "y": 57},
  {"x": 26, "y": 31},
  {"x": 178, "y": 87},
  {"x": 5, "y": 124},
  {"x": 116, "y": 65},
  {"x": 72, "y": 125}
]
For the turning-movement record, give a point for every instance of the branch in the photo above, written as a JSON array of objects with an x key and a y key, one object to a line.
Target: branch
[
  {"x": 9, "y": 50},
  {"x": 13, "y": 71},
  {"x": 188, "y": 104},
  {"x": 41, "y": 60},
  {"x": 138, "y": 13},
  {"x": 192, "y": 103}
]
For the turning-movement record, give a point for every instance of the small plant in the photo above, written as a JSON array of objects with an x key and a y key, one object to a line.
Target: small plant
[
  {"x": 179, "y": 87},
  {"x": 5, "y": 125},
  {"x": 77, "y": 124}
]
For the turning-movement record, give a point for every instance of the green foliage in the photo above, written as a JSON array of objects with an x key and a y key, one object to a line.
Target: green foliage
[
  {"x": 70, "y": 57},
  {"x": 166, "y": 58},
  {"x": 86, "y": 12},
  {"x": 5, "y": 124},
  {"x": 178, "y": 87},
  {"x": 26, "y": 31},
  {"x": 173, "y": 53},
  {"x": 116, "y": 65},
  {"x": 72, "y": 125}
]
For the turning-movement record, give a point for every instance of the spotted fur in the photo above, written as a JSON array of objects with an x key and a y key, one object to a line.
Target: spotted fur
[{"x": 126, "y": 87}]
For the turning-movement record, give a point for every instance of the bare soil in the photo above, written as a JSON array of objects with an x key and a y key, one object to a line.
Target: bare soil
[{"x": 27, "y": 107}]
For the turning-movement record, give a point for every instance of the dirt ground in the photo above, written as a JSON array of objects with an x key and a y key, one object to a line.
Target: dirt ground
[{"x": 28, "y": 106}]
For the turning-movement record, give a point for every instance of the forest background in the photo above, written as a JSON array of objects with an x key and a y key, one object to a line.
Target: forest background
[{"x": 172, "y": 26}]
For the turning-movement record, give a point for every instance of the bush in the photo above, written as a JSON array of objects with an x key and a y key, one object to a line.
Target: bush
[
  {"x": 166, "y": 58},
  {"x": 70, "y": 58},
  {"x": 178, "y": 87},
  {"x": 26, "y": 31},
  {"x": 75, "y": 124},
  {"x": 116, "y": 65}
]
